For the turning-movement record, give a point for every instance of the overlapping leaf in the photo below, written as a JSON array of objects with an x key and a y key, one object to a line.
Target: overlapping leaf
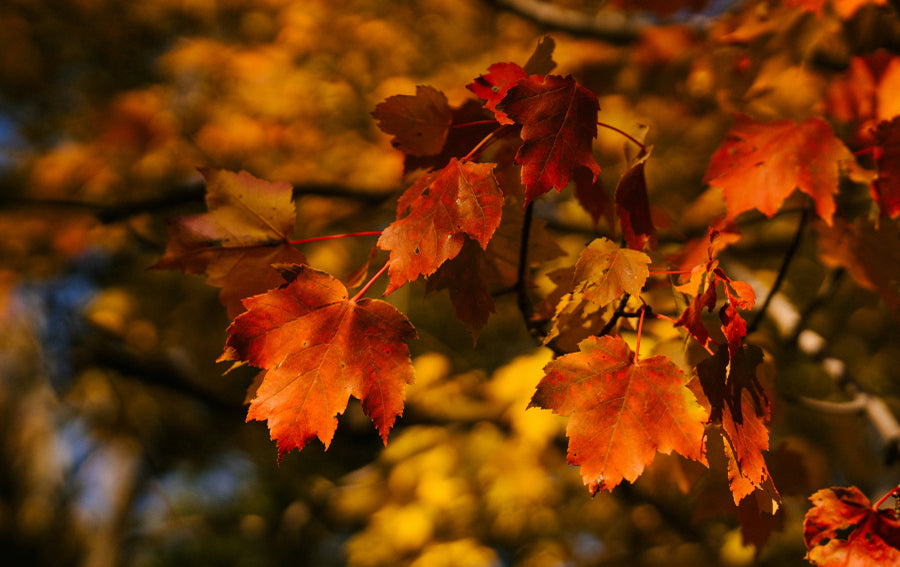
[
  {"x": 621, "y": 411},
  {"x": 633, "y": 206},
  {"x": 760, "y": 164},
  {"x": 247, "y": 229},
  {"x": 886, "y": 186},
  {"x": 436, "y": 215},
  {"x": 318, "y": 348},
  {"x": 559, "y": 122},
  {"x": 419, "y": 122},
  {"x": 843, "y": 529},
  {"x": 606, "y": 272},
  {"x": 871, "y": 255},
  {"x": 475, "y": 273},
  {"x": 739, "y": 404},
  {"x": 494, "y": 85}
]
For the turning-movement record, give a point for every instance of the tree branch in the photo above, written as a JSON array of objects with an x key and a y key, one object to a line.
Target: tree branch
[
  {"x": 618, "y": 27},
  {"x": 185, "y": 195},
  {"x": 782, "y": 271}
]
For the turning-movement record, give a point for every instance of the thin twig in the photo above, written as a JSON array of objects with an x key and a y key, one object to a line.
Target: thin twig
[
  {"x": 618, "y": 313},
  {"x": 782, "y": 271},
  {"x": 521, "y": 287}
]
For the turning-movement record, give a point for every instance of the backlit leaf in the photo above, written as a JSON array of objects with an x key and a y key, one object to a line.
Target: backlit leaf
[
  {"x": 559, "y": 122},
  {"x": 318, "y": 348},
  {"x": 436, "y": 215},
  {"x": 247, "y": 229},
  {"x": 843, "y": 529},
  {"x": 621, "y": 411},
  {"x": 760, "y": 164}
]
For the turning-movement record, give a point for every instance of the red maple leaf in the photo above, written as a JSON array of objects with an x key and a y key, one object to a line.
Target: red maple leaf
[
  {"x": 494, "y": 85},
  {"x": 844, "y": 529},
  {"x": 559, "y": 122},
  {"x": 469, "y": 127},
  {"x": 885, "y": 187},
  {"x": 621, "y": 411},
  {"x": 633, "y": 205},
  {"x": 501, "y": 77},
  {"x": 474, "y": 275},
  {"x": 247, "y": 229},
  {"x": 707, "y": 277},
  {"x": 318, "y": 348},
  {"x": 606, "y": 272},
  {"x": 594, "y": 197},
  {"x": 418, "y": 122},
  {"x": 436, "y": 215},
  {"x": 760, "y": 164}
]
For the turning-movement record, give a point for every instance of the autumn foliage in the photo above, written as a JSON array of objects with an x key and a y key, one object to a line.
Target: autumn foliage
[{"x": 466, "y": 225}]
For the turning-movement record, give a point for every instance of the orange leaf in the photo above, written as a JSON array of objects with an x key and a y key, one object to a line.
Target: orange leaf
[
  {"x": 559, "y": 122},
  {"x": 843, "y": 529},
  {"x": 760, "y": 164},
  {"x": 622, "y": 412},
  {"x": 319, "y": 348},
  {"x": 885, "y": 188},
  {"x": 419, "y": 123},
  {"x": 740, "y": 405},
  {"x": 435, "y": 216},
  {"x": 247, "y": 229},
  {"x": 607, "y": 271}
]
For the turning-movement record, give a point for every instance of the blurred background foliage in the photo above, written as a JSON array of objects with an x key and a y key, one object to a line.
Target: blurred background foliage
[{"x": 123, "y": 444}]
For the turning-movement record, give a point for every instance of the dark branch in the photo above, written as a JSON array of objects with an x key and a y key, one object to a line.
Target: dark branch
[
  {"x": 782, "y": 271},
  {"x": 188, "y": 194},
  {"x": 617, "y": 27}
]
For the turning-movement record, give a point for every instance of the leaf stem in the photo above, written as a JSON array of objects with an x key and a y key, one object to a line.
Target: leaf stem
[
  {"x": 521, "y": 286},
  {"x": 475, "y": 123},
  {"x": 782, "y": 271},
  {"x": 895, "y": 491},
  {"x": 333, "y": 236},
  {"x": 623, "y": 133},
  {"x": 482, "y": 145},
  {"x": 619, "y": 312},
  {"x": 366, "y": 287},
  {"x": 637, "y": 345},
  {"x": 668, "y": 272}
]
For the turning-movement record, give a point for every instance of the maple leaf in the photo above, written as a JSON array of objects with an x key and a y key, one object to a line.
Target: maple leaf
[
  {"x": 494, "y": 85},
  {"x": 844, "y": 529},
  {"x": 436, "y": 215},
  {"x": 633, "y": 205},
  {"x": 459, "y": 142},
  {"x": 621, "y": 411},
  {"x": 606, "y": 272},
  {"x": 871, "y": 255},
  {"x": 247, "y": 229},
  {"x": 465, "y": 278},
  {"x": 885, "y": 188},
  {"x": 593, "y": 196},
  {"x": 740, "y": 295},
  {"x": 760, "y": 164},
  {"x": 418, "y": 122},
  {"x": 739, "y": 404},
  {"x": 318, "y": 348},
  {"x": 475, "y": 274},
  {"x": 501, "y": 77},
  {"x": 559, "y": 122},
  {"x": 541, "y": 61}
]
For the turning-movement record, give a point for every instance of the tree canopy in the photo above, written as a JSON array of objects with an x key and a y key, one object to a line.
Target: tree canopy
[{"x": 553, "y": 281}]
